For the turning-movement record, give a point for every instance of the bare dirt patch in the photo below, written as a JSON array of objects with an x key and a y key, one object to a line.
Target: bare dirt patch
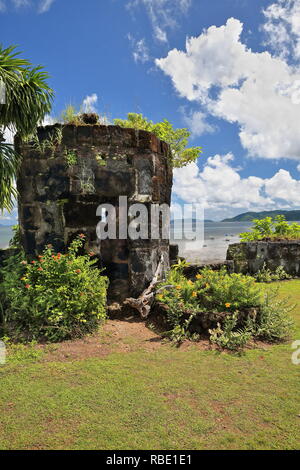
[{"x": 117, "y": 335}]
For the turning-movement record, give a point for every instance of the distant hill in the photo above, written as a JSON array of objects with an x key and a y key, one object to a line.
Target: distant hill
[{"x": 249, "y": 216}]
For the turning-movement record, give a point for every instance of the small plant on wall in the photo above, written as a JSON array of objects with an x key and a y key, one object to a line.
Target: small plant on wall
[
  {"x": 46, "y": 145},
  {"x": 100, "y": 160},
  {"x": 70, "y": 116},
  {"x": 87, "y": 186},
  {"x": 181, "y": 154},
  {"x": 70, "y": 157}
]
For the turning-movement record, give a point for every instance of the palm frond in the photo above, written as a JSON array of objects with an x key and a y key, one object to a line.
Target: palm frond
[
  {"x": 9, "y": 165},
  {"x": 28, "y": 97},
  {"x": 28, "y": 100}
]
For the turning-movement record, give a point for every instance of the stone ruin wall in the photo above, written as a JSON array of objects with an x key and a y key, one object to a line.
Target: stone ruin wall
[
  {"x": 250, "y": 257},
  {"x": 58, "y": 200}
]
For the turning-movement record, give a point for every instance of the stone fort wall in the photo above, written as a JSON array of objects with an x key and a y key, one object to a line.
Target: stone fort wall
[{"x": 69, "y": 170}]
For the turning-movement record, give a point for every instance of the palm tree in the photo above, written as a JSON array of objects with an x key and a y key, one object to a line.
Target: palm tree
[{"x": 27, "y": 99}]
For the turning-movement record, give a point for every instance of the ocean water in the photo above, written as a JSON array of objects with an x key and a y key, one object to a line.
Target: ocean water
[
  {"x": 217, "y": 237},
  {"x": 6, "y": 234}
]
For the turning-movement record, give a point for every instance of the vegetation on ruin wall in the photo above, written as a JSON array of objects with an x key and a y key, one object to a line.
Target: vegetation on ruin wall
[
  {"x": 181, "y": 154},
  {"x": 276, "y": 228},
  {"x": 176, "y": 138}
]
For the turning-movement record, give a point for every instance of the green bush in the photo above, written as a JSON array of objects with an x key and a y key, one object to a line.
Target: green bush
[
  {"x": 273, "y": 322},
  {"x": 230, "y": 337},
  {"x": 181, "y": 155},
  {"x": 56, "y": 297},
  {"x": 233, "y": 303},
  {"x": 272, "y": 228},
  {"x": 266, "y": 275},
  {"x": 211, "y": 291}
]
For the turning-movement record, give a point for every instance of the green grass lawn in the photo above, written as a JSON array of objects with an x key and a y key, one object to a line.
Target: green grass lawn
[{"x": 167, "y": 398}]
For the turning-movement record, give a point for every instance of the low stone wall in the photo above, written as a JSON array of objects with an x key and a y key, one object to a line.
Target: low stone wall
[{"x": 250, "y": 257}]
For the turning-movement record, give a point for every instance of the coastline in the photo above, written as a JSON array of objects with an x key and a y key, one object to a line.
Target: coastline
[
  {"x": 212, "y": 251},
  {"x": 213, "y": 248},
  {"x": 217, "y": 237}
]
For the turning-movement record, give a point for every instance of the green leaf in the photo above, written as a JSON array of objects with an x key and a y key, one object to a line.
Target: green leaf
[{"x": 181, "y": 155}]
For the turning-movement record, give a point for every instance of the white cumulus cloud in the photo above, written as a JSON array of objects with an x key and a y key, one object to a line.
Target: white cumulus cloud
[
  {"x": 257, "y": 91},
  {"x": 282, "y": 27},
  {"x": 89, "y": 104},
  {"x": 221, "y": 189},
  {"x": 282, "y": 186},
  {"x": 48, "y": 120},
  {"x": 196, "y": 122}
]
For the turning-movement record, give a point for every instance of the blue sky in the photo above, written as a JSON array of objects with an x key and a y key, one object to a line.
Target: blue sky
[{"x": 235, "y": 84}]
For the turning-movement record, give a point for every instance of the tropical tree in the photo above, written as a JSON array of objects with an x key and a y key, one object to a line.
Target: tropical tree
[
  {"x": 176, "y": 138},
  {"x": 27, "y": 99}
]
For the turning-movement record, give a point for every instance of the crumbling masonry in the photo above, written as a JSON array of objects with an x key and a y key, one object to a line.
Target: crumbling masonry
[{"x": 69, "y": 170}]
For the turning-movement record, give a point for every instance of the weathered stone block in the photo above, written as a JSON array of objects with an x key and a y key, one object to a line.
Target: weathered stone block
[
  {"x": 69, "y": 138},
  {"x": 114, "y": 183},
  {"x": 122, "y": 137},
  {"x": 251, "y": 257},
  {"x": 144, "y": 174},
  {"x": 80, "y": 214},
  {"x": 101, "y": 136},
  {"x": 173, "y": 253},
  {"x": 145, "y": 140},
  {"x": 84, "y": 135}
]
